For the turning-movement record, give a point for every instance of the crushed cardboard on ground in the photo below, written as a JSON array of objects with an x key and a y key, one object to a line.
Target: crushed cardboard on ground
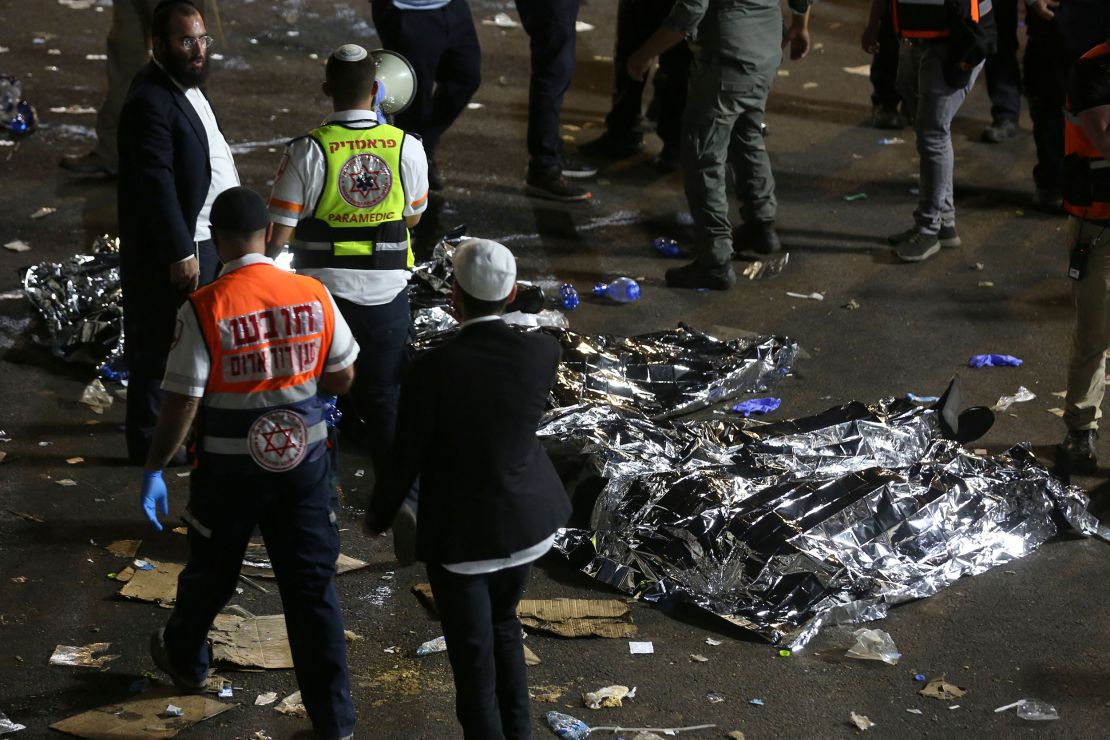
[
  {"x": 81, "y": 656},
  {"x": 142, "y": 717},
  {"x": 256, "y": 562},
  {"x": 124, "y": 548},
  {"x": 158, "y": 585},
  {"x": 257, "y": 642}
]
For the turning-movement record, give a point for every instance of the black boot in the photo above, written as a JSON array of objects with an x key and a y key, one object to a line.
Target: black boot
[{"x": 1078, "y": 453}]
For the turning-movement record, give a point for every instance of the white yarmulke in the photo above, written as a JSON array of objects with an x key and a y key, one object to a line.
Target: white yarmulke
[
  {"x": 350, "y": 53},
  {"x": 485, "y": 269}
]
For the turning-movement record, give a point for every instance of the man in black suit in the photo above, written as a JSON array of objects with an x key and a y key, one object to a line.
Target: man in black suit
[
  {"x": 490, "y": 500},
  {"x": 174, "y": 161}
]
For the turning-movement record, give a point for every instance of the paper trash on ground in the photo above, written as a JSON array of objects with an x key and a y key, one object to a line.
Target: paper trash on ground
[
  {"x": 142, "y": 717},
  {"x": 609, "y": 696},
  {"x": 637, "y": 647},
  {"x": 124, "y": 548},
  {"x": 874, "y": 645},
  {"x": 1023, "y": 394},
  {"x": 291, "y": 705},
  {"x": 939, "y": 688},
  {"x": 158, "y": 585},
  {"x": 265, "y": 699},
  {"x": 255, "y": 642},
  {"x": 577, "y": 617},
  {"x": 81, "y": 656},
  {"x": 862, "y": 721}
]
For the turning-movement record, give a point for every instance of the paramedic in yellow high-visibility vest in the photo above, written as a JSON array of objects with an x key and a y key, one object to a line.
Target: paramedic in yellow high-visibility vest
[{"x": 344, "y": 199}]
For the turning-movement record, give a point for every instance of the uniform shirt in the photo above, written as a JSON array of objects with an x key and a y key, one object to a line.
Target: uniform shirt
[
  {"x": 224, "y": 174},
  {"x": 1089, "y": 87},
  {"x": 188, "y": 365},
  {"x": 297, "y": 189},
  {"x": 744, "y": 31}
]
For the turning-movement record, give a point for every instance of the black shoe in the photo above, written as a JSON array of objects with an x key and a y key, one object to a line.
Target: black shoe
[
  {"x": 697, "y": 276},
  {"x": 1078, "y": 453},
  {"x": 404, "y": 535},
  {"x": 613, "y": 146},
  {"x": 669, "y": 159},
  {"x": 918, "y": 247},
  {"x": 998, "y": 132},
  {"x": 575, "y": 168},
  {"x": 554, "y": 186},
  {"x": 1048, "y": 199},
  {"x": 435, "y": 182},
  {"x": 162, "y": 660},
  {"x": 759, "y": 237},
  {"x": 887, "y": 117},
  {"x": 947, "y": 236},
  {"x": 90, "y": 165}
]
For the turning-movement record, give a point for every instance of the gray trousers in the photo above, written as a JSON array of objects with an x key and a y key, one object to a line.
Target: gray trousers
[
  {"x": 932, "y": 104},
  {"x": 724, "y": 108},
  {"x": 1091, "y": 296},
  {"x": 128, "y": 50}
]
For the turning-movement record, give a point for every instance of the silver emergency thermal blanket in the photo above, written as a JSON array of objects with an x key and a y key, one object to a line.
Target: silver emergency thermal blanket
[
  {"x": 781, "y": 528},
  {"x": 79, "y": 301}
]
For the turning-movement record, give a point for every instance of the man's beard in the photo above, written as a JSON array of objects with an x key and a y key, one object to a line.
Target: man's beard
[{"x": 181, "y": 70}]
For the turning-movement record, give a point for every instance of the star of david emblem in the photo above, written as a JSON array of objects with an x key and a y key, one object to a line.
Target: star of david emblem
[
  {"x": 287, "y": 443},
  {"x": 364, "y": 180},
  {"x": 278, "y": 440}
]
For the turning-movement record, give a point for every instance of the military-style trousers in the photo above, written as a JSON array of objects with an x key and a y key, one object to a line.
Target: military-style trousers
[
  {"x": 721, "y": 126},
  {"x": 1091, "y": 296}
]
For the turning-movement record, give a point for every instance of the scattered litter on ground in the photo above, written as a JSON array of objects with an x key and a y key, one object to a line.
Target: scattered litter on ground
[
  {"x": 172, "y": 710},
  {"x": 27, "y": 517},
  {"x": 250, "y": 642},
  {"x": 852, "y": 198},
  {"x": 96, "y": 397},
  {"x": 711, "y": 641},
  {"x": 81, "y": 656},
  {"x": 18, "y": 579},
  {"x": 66, "y": 482},
  {"x": 6, "y": 725},
  {"x": 985, "y": 284},
  {"x": 862, "y": 721},
  {"x": 566, "y": 726},
  {"x": 1032, "y": 709},
  {"x": 808, "y": 296},
  {"x": 474, "y": 106},
  {"x": 939, "y": 688},
  {"x": 74, "y": 460},
  {"x": 501, "y": 20},
  {"x": 863, "y": 70},
  {"x": 1004, "y": 402},
  {"x": 265, "y": 699},
  {"x": 352, "y": 636},
  {"x": 915, "y": 711},
  {"x": 698, "y": 658},
  {"x": 261, "y": 735},
  {"x": 756, "y": 406},
  {"x": 993, "y": 361},
  {"x": 158, "y": 585},
  {"x": 582, "y": 27},
  {"x": 124, "y": 548},
  {"x": 577, "y": 617},
  {"x": 874, "y": 645},
  {"x": 226, "y": 692},
  {"x": 851, "y": 305},
  {"x": 766, "y": 268},
  {"x": 17, "y": 246},
  {"x": 530, "y": 658},
  {"x": 637, "y": 647},
  {"x": 809, "y": 85},
  {"x": 891, "y": 140},
  {"x": 45, "y": 210},
  {"x": 736, "y": 735},
  {"x": 785, "y": 653},
  {"x": 548, "y": 694},
  {"x": 1056, "y": 412},
  {"x": 142, "y": 717},
  {"x": 359, "y": 473},
  {"x": 756, "y": 702},
  {"x": 783, "y": 72},
  {"x": 607, "y": 697},
  {"x": 714, "y": 698},
  {"x": 292, "y": 706},
  {"x": 256, "y": 563},
  {"x": 438, "y": 645},
  {"x": 922, "y": 399}
]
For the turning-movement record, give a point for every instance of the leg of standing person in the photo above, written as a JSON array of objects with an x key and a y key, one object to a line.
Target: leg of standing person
[
  {"x": 550, "y": 28},
  {"x": 458, "y": 77},
  {"x": 301, "y": 532},
  {"x": 149, "y": 320},
  {"x": 884, "y": 80},
  {"x": 670, "y": 83},
  {"x": 1046, "y": 75},
  {"x": 751, "y": 165},
  {"x": 622, "y": 137},
  {"x": 1004, "y": 75}
]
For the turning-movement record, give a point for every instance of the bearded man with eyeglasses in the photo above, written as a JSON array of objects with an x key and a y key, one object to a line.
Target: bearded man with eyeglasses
[{"x": 173, "y": 162}]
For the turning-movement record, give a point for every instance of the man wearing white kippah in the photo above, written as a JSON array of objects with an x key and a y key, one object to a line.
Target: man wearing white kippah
[{"x": 490, "y": 499}]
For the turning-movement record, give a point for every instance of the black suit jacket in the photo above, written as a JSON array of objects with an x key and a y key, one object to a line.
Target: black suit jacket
[
  {"x": 164, "y": 176},
  {"x": 467, "y": 426}
]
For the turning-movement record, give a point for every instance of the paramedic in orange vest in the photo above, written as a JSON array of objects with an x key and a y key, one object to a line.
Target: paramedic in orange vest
[
  {"x": 344, "y": 199},
  {"x": 252, "y": 354},
  {"x": 1086, "y": 191},
  {"x": 944, "y": 43}
]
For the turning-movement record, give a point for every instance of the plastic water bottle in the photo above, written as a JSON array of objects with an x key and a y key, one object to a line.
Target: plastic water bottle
[
  {"x": 666, "y": 247},
  {"x": 621, "y": 290},
  {"x": 565, "y": 726},
  {"x": 568, "y": 297},
  {"x": 25, "y": 119}
]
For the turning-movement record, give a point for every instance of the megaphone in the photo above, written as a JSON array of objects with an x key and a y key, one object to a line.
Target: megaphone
[{"x": 396, "y": 81}]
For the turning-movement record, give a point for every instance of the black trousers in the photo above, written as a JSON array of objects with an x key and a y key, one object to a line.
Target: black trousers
[
  {"x": 296, "y": 514},
  {"x": 550, "y": 28},
  {"x": 637, "y": 20},
  {"x": 884, "y": 67},
  {"x": 442, "y": 47},
  {"x": 1001, "y": 69},
  {"x": 150, "y": 304},
  {"x": 485, "y": 649}
]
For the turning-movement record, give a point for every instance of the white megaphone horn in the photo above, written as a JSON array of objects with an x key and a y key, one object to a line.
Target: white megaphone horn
[{"x": 396, "y": 81}]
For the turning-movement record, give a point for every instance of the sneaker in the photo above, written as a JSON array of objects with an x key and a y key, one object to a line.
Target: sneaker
[
  {"x": 998, "y": 132},
  {"x": 669, "y": 159},
  {"x": 577, "y": 169},
  {"x": 1078, "y": 453},
  {"x": 435, "y": 181},
  {"x": 404, "y": 535},
  {"x": 613, "y": 146},
  {"x": 1048, "y": 199},
  {"x": 918, "y": 247},
  {"x": 698, "y": 276},
  {"x": 554, "y": 186},
  {"x": 759, "y": 237},
  {"x": 162, "y": 660},
  {"x": 887, "y": 117},
  {"x": 947, "y": 236},
  {"x": 89, "y": 164}
]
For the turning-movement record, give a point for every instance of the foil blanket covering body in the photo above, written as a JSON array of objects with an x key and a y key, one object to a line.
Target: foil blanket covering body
[{"x": 781, "y": 528}]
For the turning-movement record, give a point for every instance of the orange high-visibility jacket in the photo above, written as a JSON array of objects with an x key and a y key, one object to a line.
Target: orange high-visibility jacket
[
  {"x": 931, "y": 19},
  {"x": 1086, "y": 175}
]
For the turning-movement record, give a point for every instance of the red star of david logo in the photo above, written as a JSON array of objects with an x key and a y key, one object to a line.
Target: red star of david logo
[
  {"x": 286, "y": 443},
  {"x": 364, "y": 181}
]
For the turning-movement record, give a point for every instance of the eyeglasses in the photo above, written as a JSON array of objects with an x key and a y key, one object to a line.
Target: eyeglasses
[{"x": 188, "y": 43}]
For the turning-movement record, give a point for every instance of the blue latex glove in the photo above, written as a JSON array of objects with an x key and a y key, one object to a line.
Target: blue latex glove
[
  {"x": 756, "y": 406},
  {"x": 993, "y": 361},
  {"x": 154, "y": 497}
]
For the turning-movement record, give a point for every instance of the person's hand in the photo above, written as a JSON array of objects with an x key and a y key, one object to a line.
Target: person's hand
[
  {"x": 639, "y": 64},
  {"x": 186, "y": 274},
  {"x": 154, "y": 497},
  {"x": 797, "y": 36},
  {"x": 1045, "y": 8},
  {"x": 869, "y": 39}
]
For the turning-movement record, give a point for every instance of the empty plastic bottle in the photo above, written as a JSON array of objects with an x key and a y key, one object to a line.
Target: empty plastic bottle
[
  {"x": 568, "y": 297},
  {"x": 621, "y": 290},
  {"x": 565, "y": 726},
  {"x": 666, "y": 247}
]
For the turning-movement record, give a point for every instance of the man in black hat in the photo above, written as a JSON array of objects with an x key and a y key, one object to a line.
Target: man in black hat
[{"x": 252, "y": 353}]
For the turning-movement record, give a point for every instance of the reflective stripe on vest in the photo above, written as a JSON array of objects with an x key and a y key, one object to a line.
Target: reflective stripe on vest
[
  {"x": 358, "y": 222},
  {"x": 267, "y": 334},
  {"x": 1085, "y": 182},
  {"x": 930, "y": 19}
]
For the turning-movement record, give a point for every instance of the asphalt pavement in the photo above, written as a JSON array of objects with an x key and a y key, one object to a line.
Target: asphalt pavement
[{"x": 1037, "y": 627}]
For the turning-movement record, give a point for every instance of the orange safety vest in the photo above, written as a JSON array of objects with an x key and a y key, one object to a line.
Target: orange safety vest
[
  {"x": 268, "y": 334},
  {"x": 930, "y": 19},
  {"x": 1086, "y": 175}
]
